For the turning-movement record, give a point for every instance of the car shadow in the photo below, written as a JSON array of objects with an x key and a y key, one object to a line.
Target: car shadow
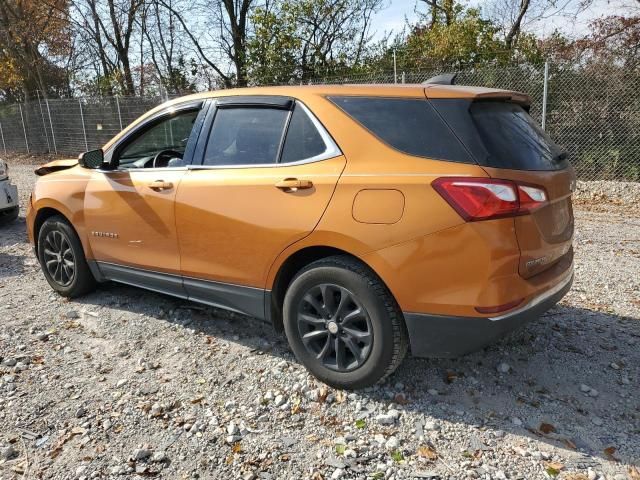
[
  {"x": 537, "y": 393},
  {"x": 12, "y": 234}
]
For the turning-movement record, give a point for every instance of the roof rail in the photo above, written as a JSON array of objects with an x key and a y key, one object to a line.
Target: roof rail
[{"x": 442, "y": 79}]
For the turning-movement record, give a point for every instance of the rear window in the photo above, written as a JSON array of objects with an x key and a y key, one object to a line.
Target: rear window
[
  {"x": 245, "y": 136},
  {"x": 409, "y": 125},
  {"x": 513, "y": 139}
]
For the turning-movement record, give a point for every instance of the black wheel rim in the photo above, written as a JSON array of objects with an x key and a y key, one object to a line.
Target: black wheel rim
[
  {"x": 58, "y": 258},
  {"x": 334, "y": 327}
]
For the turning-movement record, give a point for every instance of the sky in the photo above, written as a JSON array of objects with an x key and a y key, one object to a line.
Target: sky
[{"x": 392, "y": 17}]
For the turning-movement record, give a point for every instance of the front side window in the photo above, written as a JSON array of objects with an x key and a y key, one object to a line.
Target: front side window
[
  {"x": 246, "y": 136},
  {"x": 164, "y": 142}
]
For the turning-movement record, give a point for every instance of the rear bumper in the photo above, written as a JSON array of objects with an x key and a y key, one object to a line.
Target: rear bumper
[{"x": 445, "y": 336}]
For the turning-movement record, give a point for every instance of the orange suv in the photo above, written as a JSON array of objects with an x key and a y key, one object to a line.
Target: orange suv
[{"x": 361, "y": 220}]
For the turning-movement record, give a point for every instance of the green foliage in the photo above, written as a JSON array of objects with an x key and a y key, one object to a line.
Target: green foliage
[
  {"x": 469, "y": 39},
  {"x": 361, "y": 423},
  {"x": 296, "y": 41},
  {"x": 273, "y": 48},
  {"x": 397, "y": 456}
]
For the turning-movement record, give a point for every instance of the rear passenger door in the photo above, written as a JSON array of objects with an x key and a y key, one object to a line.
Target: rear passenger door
[{"x": 268, "y": 170}]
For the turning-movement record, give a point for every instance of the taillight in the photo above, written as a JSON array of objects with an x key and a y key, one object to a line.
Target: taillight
[{"x": 484, "y": 198}]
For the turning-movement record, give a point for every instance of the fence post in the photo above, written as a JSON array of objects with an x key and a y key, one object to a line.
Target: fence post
[
  {"x": 545, "y": 92},
  {"x": 24, "y": 129},
  {"x": 84, "y": 130},
  {"x": 119, "y": 115},
  {"x": 53, "y": 135},
  {"x": 395, "y": 67},
  {"x": 404, "y": 78},
  {"x": 4, "y": 146},
  {"x": 44, "y": 125}
]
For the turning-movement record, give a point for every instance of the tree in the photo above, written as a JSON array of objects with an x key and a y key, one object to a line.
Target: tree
[
  {"x": 166, "y": 49},
  {"x": 440, "y": 10},
  {"x": 513, "y": 17},
  {"x": 32, "y": 35},
  {"x": 226, "y": 29},
  {"x": 468, "y": 39},
  {"x": 272, "y": 50},
  {"x": 108, "y": 26},
  {"x": 316, "y": 37}
]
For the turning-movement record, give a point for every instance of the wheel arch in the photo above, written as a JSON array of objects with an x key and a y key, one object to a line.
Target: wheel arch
[
  {"x": 49, "y": 210},
  {"x": 41, "y": 216},
  {"x": 295, "y": 262}
]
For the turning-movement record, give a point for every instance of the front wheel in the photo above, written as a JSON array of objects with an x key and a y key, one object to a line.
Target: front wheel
[
  {"x": 62, "y": 258},
  {"x": 343, "y": 324}
]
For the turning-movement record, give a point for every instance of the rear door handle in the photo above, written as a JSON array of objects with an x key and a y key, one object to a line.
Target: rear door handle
[
  {"x": 160, "y": 185},
  {"x": 293, "y": 184}
]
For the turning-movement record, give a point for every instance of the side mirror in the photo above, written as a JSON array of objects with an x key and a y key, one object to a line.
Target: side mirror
[{"x": 92, "y": 159}]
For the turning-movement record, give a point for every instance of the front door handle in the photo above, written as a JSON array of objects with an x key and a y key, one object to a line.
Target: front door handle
[
  {"x": 160, "y": 185},
  {"x": 293, "y": 184}
]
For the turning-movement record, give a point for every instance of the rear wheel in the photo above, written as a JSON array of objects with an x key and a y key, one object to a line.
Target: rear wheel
[
  {"x": 343, "y": 324},
  {"x": 62, "y": 258}
]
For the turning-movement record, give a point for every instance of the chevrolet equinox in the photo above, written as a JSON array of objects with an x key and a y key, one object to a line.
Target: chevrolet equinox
[{"x": 361, "y": 220}]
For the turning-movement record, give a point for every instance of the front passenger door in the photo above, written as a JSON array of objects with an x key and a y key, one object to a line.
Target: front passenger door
[
  {"x": 268, "y": 172},
  {"x": 130, "y": 210}
]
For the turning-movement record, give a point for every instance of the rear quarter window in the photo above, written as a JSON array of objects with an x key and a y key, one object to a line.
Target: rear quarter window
[{"x": 410, "y": 125}]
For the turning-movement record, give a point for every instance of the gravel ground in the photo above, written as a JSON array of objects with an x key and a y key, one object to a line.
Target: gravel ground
[{"x": 125, "y": 383}]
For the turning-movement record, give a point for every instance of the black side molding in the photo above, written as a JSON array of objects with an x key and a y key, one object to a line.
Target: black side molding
[{"x": 237, "y": 298}]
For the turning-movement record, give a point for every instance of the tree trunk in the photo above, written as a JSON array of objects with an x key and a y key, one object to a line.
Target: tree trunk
[{"x": 515, "y": 28}]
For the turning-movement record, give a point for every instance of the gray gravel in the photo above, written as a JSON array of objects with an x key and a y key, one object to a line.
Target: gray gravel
[{"x": 125, "y": 383}]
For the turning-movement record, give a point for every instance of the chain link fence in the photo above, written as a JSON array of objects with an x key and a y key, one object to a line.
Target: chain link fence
[{"x": 594, "y": 113}]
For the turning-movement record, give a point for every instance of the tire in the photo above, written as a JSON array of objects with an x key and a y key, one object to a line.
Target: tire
[
  {"x": 338, "y": 300},
  {"x": 9, "y": 215},
  {"x": 59, "y": 246}
]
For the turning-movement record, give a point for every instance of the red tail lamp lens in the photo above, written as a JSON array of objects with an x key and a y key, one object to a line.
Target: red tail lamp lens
[{"x": 485, "y": 198}]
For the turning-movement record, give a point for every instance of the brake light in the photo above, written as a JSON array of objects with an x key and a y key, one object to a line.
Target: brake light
[{"x": 485, "y": 198}]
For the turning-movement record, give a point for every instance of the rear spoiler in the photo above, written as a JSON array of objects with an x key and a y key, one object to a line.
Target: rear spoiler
[
  {"x": 55, "y": 166},
  {"x": 442, "y": 79},
  {"x": 521, "y": 99}
]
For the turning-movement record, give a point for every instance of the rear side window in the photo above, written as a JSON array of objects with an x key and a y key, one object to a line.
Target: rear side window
[
  {"x": 245, "y": 136},
  {"x": 409, "y": 125},
  {"x": 303, "y": 139},
  {"x": 513, "y": 139}
]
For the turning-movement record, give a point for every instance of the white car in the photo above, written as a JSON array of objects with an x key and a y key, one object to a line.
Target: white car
[{"x": 8, "y": 195}]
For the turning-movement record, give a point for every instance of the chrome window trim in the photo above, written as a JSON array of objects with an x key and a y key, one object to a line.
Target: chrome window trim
[
  {"x": 332, "y": 149},
  {"x": 150, "y": 169},
  {"x": 317, "y": 158}
]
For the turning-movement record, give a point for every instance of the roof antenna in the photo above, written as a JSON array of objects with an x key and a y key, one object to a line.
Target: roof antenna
[{"x": 442, "y": 79}]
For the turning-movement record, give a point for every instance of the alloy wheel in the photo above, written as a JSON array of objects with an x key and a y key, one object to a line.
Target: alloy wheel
[
  {"x": 334, "y": 327},
  {"x": 58, "y": 258}
]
